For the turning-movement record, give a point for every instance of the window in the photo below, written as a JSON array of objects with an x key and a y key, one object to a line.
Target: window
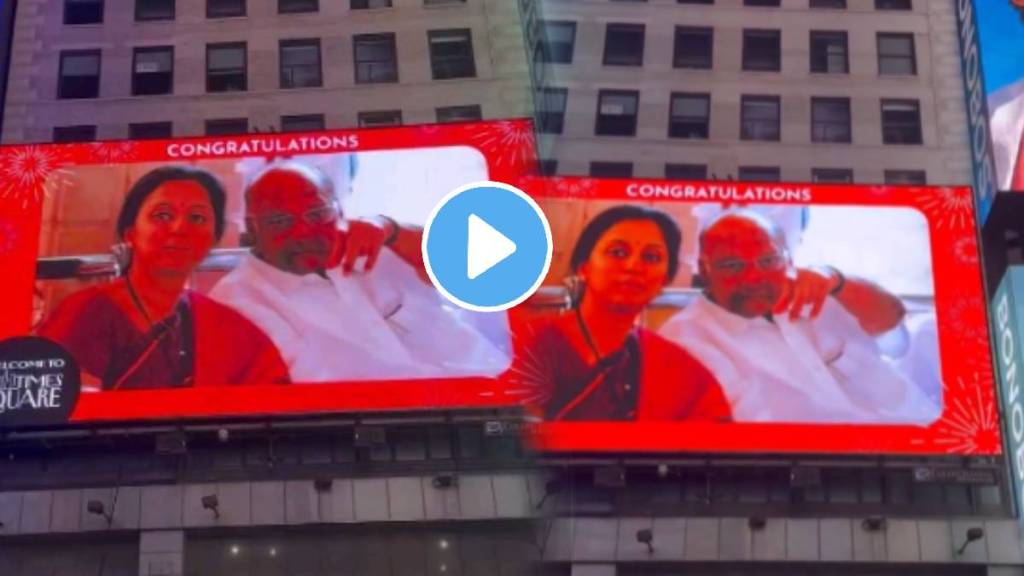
[
  {"x": 559, "y": 41},
  {"x": 551, "y": 110},
  {"x": 759, "y": 174},
  {"x": 690, "y": 116},
  {"x": 297, "y": 6},
  {"x": 693, "y": 47},
  {"x": 611, "y": 169},
  {"x": 771, "y": 3},
  {"x": 695, "y": 1},
  {"x": 81, "y": 133},
  {"x": 830, "y": 120},
  {"x": 830, "y": 53},
  {"x": 841, "y": 4},
  {"x": 154, "y": 10},
  {"x": 893, "y": 5},
  {"x": 300, "y": 63},
  {"x": 762, "y": 50},
  {"x": 901, "y": 122},
  {"x": 760, "y": 118},
  {"x": 451, "y": 54},
  {"x": 616, "y": 112},
  {"x": 624, "y": 45},
  {"x": 225, "y": 8},
  {"x": 906, "y": 177},
  {"x": 153, "y": 71},
  {"x": 376, "y": 59},
  {"x": 459, "y": 114},
  {"x": 226, "y": 67},
  {"x": 302, "y": 123},
  {"x": 227, "y": 126},
  {"x": 79, "y": 74},
  {"x": 83, "y": 11},
  {"x": 686, "y": 171},
  {"x": 896, "y": 55},
  {"x": 832, "y": 175},
  {"x": 369, "y": 4},
  {"x": 379, "y": 118},
  {"x": 548, "y": 167},
  {"x": 150, "y": 130}
]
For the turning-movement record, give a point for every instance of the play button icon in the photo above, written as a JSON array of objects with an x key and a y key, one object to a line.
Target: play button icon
[{"x": 487, "y": 246}]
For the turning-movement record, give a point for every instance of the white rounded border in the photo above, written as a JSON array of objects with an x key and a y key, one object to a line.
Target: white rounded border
[{"x": 547, "y": 235}]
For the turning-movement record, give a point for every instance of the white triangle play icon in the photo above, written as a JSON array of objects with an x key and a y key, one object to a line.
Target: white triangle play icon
[{"x": 486, "y": 247}]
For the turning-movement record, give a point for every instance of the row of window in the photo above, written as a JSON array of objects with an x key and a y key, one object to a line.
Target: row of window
[
  {"x": 879, "y": 4},
  {"x": 674, "y": 171},
  {"x": 91, "y": 11},
  {"x": 375, "y": 61},
  {"x": 290, "y": 123},
  {"x": 762, "y": 49},
  {"x": 760, "y": 117}
]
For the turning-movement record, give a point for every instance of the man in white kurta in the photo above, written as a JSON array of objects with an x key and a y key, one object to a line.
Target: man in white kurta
[
  {"x": 330, "y": 321},
  {"x": 778, "y": 361}
]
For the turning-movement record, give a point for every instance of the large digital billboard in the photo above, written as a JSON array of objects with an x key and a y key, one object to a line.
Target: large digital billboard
[
  {"x": 736, "y": 317},
  {"x": 263, "y": 274},
  {"x": 993, "y": 69}
]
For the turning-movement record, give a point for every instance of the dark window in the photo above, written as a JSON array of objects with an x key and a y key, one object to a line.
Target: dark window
[
  {"x": 695, "y": 1},
  {"x": 227, "y": 126},
  {"x": 153, "y": 70},
  {"x": 302, "y": 123},
  {"x": 150, "y": 130},
  {"x": 759, "y": 174},
  {"x": 624, "y": 45},
  {"x": 559, "y": 41},
  {"x": 830, "y": 120},
  {"x": 226, "y": 67},
  {"x": 693, "y": 47},
  {"x": 300, "y": 63},
  {"x": 762, "y": 50},
  {"x": 896, "y": 55},
  {"x": 893, "y": 5},
  {"x": 686, "y": 171},
  {"x": 617, "y": 112},
  {"x": 369, "y": 4},
  {"x": 760, "y": 118},
  {"x": 548, "y": 167},
  {"x": 906, "y": 177},
  {"x": 832, "y": 175},
  {"x": 154, "y": 10},
  {"x": 772, "y": 3},
  {"x": 551, "y": 110},
  {"x": 74, "y": 133},
  {"x": 79, "y": 74},
  {"x": 830, "y": 52},
  {"x": 901, "y": 122},
  {"x": 828, "y": 4},
  {"x": 690, "y": 116},
  {"x": 611, "y": 169},
  {"x": 376, "y": 118},
  {"x": 225, "y": 8},
  {"x": 459, "y": 114},
  {"x": 295, "y": 6},
  {"x": 451, "y": 54},
  {"x": 376, "y": 59},
  {"x": 83, "y": 11}
]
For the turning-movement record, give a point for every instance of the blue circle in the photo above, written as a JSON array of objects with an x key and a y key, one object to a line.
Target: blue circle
[{"x": 446, "y": 246}]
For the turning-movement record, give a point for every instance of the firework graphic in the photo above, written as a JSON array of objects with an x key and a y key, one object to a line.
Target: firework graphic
[
  {"x": 969, "y": 424},
  {"x": 966, "y": 250},
  {"x": 8, "y": 236},
  {"x": 510, "y": 143},
  {"x": 112, "y": 152},
  {"x": 572, "y": 187},
  {"x": 950, "y": 208},
  {"x": 964, "y": 317},
  {"x": 28, "y": 173}
]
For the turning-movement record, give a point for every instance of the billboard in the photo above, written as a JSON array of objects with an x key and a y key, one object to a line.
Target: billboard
[
  {"x": 261, "y": 274},
  {"x": 735, "y": 317},
  {"x": 993, "y": 69},
  {"x": 1008, "y": 314}
]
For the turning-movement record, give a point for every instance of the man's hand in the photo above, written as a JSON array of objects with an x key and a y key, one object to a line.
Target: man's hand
[
  {"x": 365, "y": 239},
  {"x": 810, "y": 287}
]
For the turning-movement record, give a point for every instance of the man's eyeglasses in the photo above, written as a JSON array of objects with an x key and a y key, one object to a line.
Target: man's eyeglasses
[
  {"x": 735, "y": 266},
  {"x": 283, "y": 222}
]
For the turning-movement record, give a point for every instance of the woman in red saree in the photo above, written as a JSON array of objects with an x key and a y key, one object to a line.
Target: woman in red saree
[
  {"x": 594, "y": 362},
  {"x": 147, "y": 329}
]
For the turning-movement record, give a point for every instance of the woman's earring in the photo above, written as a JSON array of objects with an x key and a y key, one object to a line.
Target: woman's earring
[
  {"x": 574, "y": 290},
  {"x": 122, "y": 257}
]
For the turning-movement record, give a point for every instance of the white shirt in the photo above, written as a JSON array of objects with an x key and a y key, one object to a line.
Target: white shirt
[
  {"x": 384, "y": 324},
  {"x": 1006, "y": 109},
  {"x": 822, "y": 370}
]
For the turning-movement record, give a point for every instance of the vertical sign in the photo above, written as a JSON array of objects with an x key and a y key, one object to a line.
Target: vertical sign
[{"x": 1009, "y": 317}]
